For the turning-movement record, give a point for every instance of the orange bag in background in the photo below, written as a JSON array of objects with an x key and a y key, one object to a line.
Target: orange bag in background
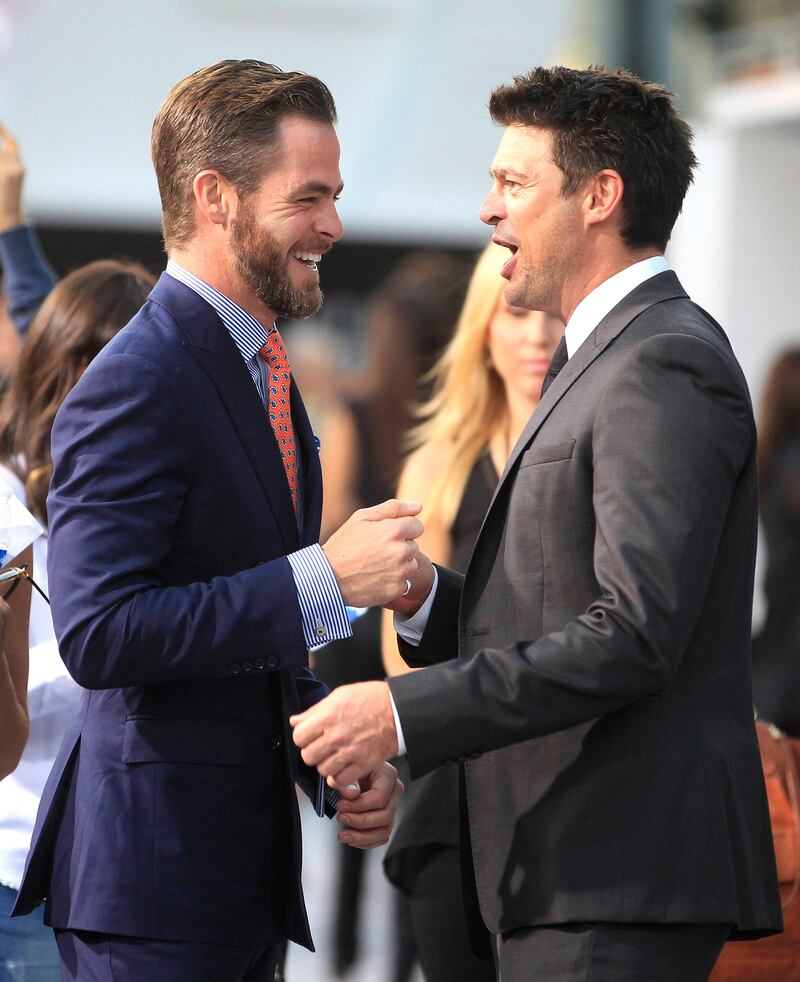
[{"x": 776, "y": 958}]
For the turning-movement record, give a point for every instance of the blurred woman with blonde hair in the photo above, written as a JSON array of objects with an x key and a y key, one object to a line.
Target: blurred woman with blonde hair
[{"x": 485, "y": 387}]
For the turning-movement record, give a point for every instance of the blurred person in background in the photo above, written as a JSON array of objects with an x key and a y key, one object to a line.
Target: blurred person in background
[
  {"x": 776, "y": 647},
  {"x": 14, "y": 720},
  {"x": 410, "y": 319},
  {"x": 82, "y": 313},
  {"x": 27, "y": 277},
  {"x": 486, "y": 386}
]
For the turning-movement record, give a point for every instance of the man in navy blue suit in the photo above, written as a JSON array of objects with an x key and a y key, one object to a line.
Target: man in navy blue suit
[{"x": 187, "y": 583}]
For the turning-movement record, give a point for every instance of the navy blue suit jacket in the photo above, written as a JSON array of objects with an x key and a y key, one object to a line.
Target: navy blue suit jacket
[{"x": 171, "y": 812}]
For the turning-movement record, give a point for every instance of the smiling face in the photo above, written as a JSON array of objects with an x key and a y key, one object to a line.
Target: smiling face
[
  {"x": 521, "y": 343},
  {"x": 542, "y": 228},
  {"x": 282, "y": 230}
]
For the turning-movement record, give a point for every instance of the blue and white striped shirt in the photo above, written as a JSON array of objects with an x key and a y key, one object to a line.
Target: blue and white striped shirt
[{"x": 322, "y": 607}]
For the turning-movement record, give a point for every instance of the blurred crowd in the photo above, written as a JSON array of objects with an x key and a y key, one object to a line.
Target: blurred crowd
[{"x": 444, "y": 376}]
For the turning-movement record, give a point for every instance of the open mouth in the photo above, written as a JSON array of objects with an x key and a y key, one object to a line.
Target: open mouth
[
  {"x": 308, "y": 259},
  {"x": 508, "y": 267}
]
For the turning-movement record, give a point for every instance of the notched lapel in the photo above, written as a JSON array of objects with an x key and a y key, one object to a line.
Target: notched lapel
[
  {"x": 664, "y": 286},
  {"x": 231, "y": 379},
  {"x": 312, "y": 472},
  {"x": 209, "y": 343}
]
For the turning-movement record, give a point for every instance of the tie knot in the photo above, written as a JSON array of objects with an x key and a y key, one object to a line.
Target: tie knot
[{"x": 274, "y": 350}]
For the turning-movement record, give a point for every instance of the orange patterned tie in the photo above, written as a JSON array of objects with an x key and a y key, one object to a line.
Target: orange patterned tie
[{"x": 280, "y": 413}]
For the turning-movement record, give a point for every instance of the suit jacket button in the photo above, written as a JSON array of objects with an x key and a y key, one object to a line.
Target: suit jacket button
[
  {"x": 247, "y": 666},
  {"x": 260, "y": 664},
  {"x": 273, "y": 740},
  {"x": 234, "y": 667},
  {"x": 272, "y": 661}
]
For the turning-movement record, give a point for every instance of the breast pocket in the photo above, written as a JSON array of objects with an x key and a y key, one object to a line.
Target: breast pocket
[
  {"x": 547, "y": 453},
  {"x": 218, "y": 740}
]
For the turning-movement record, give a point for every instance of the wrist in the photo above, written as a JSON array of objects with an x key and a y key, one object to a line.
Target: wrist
[{"x": 10, "y": 220}]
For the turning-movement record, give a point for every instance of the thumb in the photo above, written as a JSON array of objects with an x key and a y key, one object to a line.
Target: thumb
[{"x": 393, "y": 508}]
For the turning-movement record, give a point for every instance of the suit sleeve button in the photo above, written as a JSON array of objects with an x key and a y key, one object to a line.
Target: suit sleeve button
[
  {"x": 247, "y": 666},
  {"x": 273, "y": 740},
  {"x": 260, "y": 664},
  {"x": 272, "y": 661},
  {"x": 234, "y": 667}
]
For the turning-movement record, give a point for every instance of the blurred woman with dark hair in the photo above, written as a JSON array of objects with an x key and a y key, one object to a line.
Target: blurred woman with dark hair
[
  {"x": 776, "y": 649},
  {"x": 82, "y": 313}
]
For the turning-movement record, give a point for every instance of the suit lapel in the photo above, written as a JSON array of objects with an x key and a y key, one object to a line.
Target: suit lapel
[
  {"x": 308, "y": 459},
  {"x": 664, "y": 286},
  {"x": 210, "y": 344}
]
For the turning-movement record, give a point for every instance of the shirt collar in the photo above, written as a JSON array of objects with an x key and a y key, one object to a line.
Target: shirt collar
[
  {"x": 247, "y": 333},
  {"x": 602, "y": 300}
]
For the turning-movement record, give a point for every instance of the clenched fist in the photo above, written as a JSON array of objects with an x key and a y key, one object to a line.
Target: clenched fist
[{"x": 375, "y": 557}]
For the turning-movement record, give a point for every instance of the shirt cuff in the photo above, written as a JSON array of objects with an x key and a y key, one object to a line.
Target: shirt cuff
[
  {"x": 401, "y": 740},
  {"x": 412, "y": 628},
  {"x": 325, "y": 796},
  {"x": 322, "y": 607}
]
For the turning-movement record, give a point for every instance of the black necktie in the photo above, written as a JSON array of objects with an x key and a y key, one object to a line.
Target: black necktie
[{"x": 560, "y": 359}]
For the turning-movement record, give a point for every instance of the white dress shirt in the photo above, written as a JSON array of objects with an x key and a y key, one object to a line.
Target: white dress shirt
[{"x": 585, "y": 318}]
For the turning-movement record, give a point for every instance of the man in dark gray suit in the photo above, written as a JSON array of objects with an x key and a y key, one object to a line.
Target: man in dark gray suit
[{"x": 600, "y": 698}]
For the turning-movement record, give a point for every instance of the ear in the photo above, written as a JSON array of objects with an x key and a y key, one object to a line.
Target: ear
[
  {"x": 603, "y": 197},
  {"x": 215, "y": 198}
]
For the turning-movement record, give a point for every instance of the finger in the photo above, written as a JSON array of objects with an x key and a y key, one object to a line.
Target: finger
[
  {"x": 306, "y": 730},
  {"x": 408, "y": 528},
  {"x": 349, "y": 792},
  {"x": 348, "y": 775},
  {"x": 365, "y": 840},
  {"x": 393, "y": 508},
  {"x": 378, "y": 818},
  {"x": 322, "y": 755},
  {"x": 9, "y": 144},
  {"x": 372, "y": 817},
  {"x": 371, "y": 800}
]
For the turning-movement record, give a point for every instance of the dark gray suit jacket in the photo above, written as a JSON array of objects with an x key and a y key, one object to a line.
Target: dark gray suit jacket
[{"x": 601, "y": 695}]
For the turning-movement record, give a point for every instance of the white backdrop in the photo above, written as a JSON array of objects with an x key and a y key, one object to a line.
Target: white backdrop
[{"x": 80, "y": 81}]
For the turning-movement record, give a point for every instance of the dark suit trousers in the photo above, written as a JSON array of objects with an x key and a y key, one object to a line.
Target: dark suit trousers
[
  {"x": 611, "y": 953},
  {"x": 90, "y": 957}
]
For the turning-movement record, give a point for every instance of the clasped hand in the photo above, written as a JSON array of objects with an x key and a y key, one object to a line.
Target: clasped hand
[
  {"x": 375, "y": 557},
  {"x": 347, "y": 735}
]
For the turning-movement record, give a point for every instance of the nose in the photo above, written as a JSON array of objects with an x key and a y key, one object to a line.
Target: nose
[
  {"x": 330, "y": 225},
  {"x": 492, "y": 208}
]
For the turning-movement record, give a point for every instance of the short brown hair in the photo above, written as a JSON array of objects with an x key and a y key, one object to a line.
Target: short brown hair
[
  {"x": 225, "y": 116},
  {"x": 614, "y": 120}
]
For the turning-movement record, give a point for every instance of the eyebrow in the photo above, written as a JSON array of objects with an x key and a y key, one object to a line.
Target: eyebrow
[
  {"x": 317, "y": 187},
  {"x": 501, "y": 172}
]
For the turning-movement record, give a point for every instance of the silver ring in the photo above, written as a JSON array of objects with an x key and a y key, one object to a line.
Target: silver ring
[{"x": 407, "y": 589}]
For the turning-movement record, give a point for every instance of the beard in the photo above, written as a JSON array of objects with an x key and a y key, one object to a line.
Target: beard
[{"x": 261, "y": 264}]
